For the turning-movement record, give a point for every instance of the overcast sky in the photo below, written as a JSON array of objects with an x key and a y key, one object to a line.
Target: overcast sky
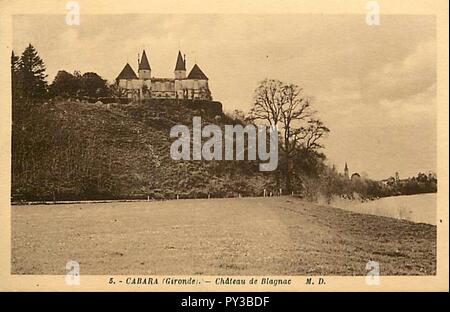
[{"x": 374, "y": 86}]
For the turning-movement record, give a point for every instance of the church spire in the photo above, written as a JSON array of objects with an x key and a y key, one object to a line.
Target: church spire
[{"x": 346, "y": 174}]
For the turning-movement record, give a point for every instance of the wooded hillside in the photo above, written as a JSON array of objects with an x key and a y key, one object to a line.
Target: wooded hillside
[{"x": 68, "y": 150}]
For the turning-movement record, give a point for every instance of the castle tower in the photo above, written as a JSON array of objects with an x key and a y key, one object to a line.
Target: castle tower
[
  {"x": 199, "y": 84},
  {"x": 180, "y": 67},
  {"x": 145, "y": 72},
  {"x": 346, "y": 174}
]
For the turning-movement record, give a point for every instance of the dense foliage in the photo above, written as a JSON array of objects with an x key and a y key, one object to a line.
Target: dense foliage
[
  {"x": 28, "y": 77},
  {"x": 67, "y": 146},
  {"x": 74, "y": 85},
  {"x": 68, "y": 150}
]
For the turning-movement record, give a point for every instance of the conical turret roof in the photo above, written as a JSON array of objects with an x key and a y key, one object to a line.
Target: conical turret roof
[
  {"x": 196, "y": 73},
  {"x": 144, "y": 64},
  {"x": 127, "y": 73},
  {"x": 181, "y": 65}
]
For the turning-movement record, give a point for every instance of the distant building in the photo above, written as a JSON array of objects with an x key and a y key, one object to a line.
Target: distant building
[
  {"x": 182, "y": 86},
  {"x": 356, "y": 176},
  {"x": 346, "y": 173},
  {"x": 389, "y": 181}
]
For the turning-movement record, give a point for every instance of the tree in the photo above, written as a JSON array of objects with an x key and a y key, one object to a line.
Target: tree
[
  {"x": 14, "y": 63},
  {"x": 93, "y": 85},
  {"x": 32, "y": 86},
  {"x": 89, "y": 84},
  {"x": 115, "y": 91},
  {"x": 65, "y": 84},
  {"x": 15, "y": 69},
  {"x": 267, "y": 106},
  {"x": 268, "y": 102},
  {"x": 239, "y": 115},
  {"x": 204, "y": 94},
  {"x": 309, "y": 136},
  {"x": 285, "y": 107},
  {"x": 146, "y": 91}
]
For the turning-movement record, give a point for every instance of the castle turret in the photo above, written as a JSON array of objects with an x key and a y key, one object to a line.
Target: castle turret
[
  {"x": 197, "y": 74},
  {"x": 180, "y": 67},
  {"x": 198, "y": 83},
  {"x": 145, "y": 72},
  {"x": 127, "y": 73},
  {"x": 127, "y": 79}
]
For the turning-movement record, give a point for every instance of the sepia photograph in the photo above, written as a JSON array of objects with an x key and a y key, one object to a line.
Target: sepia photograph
[{"x": 224, "y": 148}]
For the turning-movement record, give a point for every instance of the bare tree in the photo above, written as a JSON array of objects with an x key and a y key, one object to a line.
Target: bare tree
[
  {"x": 287, "y": 108},
  {"x": 311, "y": 134},
  {"x": 268, "y": 102}
]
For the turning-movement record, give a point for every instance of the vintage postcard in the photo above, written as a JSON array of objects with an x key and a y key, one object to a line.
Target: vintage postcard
[{"x": 224, "y": 145}]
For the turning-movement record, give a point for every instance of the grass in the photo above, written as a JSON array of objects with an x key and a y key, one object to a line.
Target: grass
[
  {"x": 75, "y": 151},
  {"x": 242, "y": 236}
]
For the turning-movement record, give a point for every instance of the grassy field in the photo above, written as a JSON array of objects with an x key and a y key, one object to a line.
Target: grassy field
[{"x": 242, "y": 236}]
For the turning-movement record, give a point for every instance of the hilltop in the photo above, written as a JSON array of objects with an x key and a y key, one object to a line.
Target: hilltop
[{"x": 69, "y": 150}]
